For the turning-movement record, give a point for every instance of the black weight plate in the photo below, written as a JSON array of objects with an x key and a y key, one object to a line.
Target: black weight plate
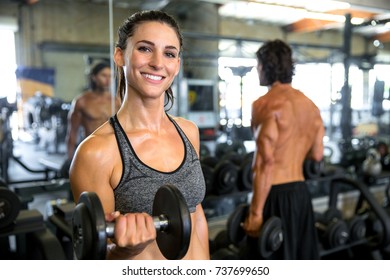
[
  {"x": 271, "y": 237},
  {"x": 174, "y": 241},
  {"x": 82, "y": 232},
  {"x": 234, "y": 229},
  {"x": 9, "y": 207},
  {"x": 208, "y": 174},
  {"x": 95, "y": 241},
  {"x": 357, "y": 228},
  {"x": 336, "y": 233},
  {"x": 226, "y": 175},
  {"x": 245, "y": 175},
  {"x": 312, "y": 169}
]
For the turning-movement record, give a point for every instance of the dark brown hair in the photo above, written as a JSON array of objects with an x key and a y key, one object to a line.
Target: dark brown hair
[
  {"x": 127, "y": 30},
  {"x": 277, "y": 62}
]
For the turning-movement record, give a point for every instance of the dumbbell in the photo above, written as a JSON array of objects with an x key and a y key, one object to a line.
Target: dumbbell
[
  {"x": 171, "y": 217},
  {"x": 332, "y": 230},
  {"x": 10, "y": 206},
  {"x": 357, "y": 228},
  {"x": 271, "y": 235},
  {"x": 222, "y": 174},
  {"x": 313, "y": 169},
  {"x": 244, "y": 164}
]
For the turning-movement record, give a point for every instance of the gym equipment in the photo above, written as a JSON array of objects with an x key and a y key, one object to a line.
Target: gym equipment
[
  {"x": 372, "y": 164},
  {"x": 332, "y": 230},
  {"x": 223, "y": 205},
  {"x": 271, "y": 235},
  {"x": 207, "y": 164},
  {"x": 61, "y": 220},
  {"x": 9, "y": 207},
  {"x": 224, "y": 175},
  {"x": 32, "y": 238},
  {"x": 224, "y": 148},
  {"x": 171, "y": 219},
  {"x": 244, "y": 166},
  {"x": 357, "y": 228},
  {"x": 376, "y": 228},
  {"x": 313, "y": 169}
]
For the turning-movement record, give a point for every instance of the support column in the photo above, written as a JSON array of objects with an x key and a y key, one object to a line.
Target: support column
[{"x": 346, "y": 111}]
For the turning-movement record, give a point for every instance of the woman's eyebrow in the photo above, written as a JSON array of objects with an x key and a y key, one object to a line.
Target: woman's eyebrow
[{"x": 151, "y": 43}]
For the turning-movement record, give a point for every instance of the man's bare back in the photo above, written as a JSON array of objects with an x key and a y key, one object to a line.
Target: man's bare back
[{"x": 295, "y": 130}]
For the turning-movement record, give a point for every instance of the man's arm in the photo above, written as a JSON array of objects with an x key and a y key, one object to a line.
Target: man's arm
[
  {"x": 316, "y": 152},
  {"x": 266, "y": 136}
]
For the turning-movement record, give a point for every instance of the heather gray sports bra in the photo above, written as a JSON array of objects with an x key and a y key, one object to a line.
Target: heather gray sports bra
[{"x": 139, "y": 182}]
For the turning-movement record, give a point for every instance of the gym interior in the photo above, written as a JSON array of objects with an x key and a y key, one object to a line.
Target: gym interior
[{"x": 342, "y": 55}]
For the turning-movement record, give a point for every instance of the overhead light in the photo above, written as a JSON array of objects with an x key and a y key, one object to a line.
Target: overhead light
[
  {"x": 267, "y": 11},
  {"x": 318, "y": 6}
]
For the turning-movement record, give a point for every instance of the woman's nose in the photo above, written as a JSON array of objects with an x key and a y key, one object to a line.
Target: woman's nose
[{"x": 156, "y": 60}]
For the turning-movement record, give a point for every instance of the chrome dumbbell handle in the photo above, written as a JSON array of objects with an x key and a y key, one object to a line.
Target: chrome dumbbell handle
[{"x": 160, "y": 223}]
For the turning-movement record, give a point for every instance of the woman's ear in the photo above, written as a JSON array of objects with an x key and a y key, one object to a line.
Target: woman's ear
[{"x": 118, "y": 57}]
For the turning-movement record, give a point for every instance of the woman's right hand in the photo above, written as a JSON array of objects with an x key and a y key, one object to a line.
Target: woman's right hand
[{"x": 133, "y": 233}]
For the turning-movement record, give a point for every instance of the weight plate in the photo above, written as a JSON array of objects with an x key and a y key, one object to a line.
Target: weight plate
[
  {"x": 245, "y": 175},
  {"x": 226, "y": 175},
  {"x": 271, "y": 237},
  {"x": 89, "y": 228},
  {"x": 82, "y": 232},
  {"x": 235, "y": 231},
  {"x": 9, "y": 207},
  {"x": 357, "y": 228},
  {"x": 336, "y": 233},
  {"x": 175, "y": 240}
]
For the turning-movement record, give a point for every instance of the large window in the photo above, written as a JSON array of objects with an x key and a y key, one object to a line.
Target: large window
[
  {"x": 8, "y": 64},
  {"x": 238, "y": 90}
]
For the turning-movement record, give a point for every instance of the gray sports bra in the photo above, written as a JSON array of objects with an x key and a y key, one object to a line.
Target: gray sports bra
[{"x": 139, "y": 182}]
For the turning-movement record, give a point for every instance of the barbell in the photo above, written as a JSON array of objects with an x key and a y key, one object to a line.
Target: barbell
[{"x": 171, "y": 218}]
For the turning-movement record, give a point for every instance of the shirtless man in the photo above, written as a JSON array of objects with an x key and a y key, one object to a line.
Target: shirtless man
[
  {"x": 288, "y": 128},
  {"x": 92, "y": 108}
]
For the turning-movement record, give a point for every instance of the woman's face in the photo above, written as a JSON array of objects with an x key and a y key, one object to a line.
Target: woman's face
[{"x": 151, "y": 59}]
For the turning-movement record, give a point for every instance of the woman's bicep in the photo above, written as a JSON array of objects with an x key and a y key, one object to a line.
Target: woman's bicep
[{"x": 202, "y": 227}]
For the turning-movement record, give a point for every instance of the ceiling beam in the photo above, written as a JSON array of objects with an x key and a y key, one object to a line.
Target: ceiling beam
[
  {"x": 308, "y": 25},
  {"x": 311, "y": 25},
  {"x": 383, "y": 37}
]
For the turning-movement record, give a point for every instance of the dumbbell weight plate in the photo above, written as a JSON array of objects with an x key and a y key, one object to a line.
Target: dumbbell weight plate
[
  {"x": 173, "y": 242},
  {"x": 89, "y": 228},
  {"x": 9, "y": 207},
  {"x": 357, "y": 228},
  {"x": 336, "y": 234},
  {"x": 234, "y": 229},
  {"x": 271, "y": 237}
]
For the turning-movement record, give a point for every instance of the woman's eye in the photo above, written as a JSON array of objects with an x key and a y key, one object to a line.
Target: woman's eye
[
  {"x": 143, "y": 49},
  {"x": 171, "y": 55}
]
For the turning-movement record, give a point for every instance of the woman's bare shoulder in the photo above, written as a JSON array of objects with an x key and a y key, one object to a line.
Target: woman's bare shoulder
[
  {"x": 100, "y": 143},
  {"x": 185, "y": 122}
]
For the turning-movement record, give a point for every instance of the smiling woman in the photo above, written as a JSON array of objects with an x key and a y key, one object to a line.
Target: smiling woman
[{"x": 142, "y": 148}]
